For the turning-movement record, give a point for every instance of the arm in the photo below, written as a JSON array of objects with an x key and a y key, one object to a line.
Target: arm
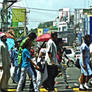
[
  {"x": 40, "y": 55},
  {"x": 83, "y": 56},
  {"x": 37, "y": 67},
  {"x": 49, "y": 51},
  {"x": 0, "y": 59},
  {"x": 91, "y": 54},
  {"x": 50, "y": 56}
]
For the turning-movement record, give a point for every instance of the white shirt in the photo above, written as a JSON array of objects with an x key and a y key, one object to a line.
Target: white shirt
[
  {"x": 90, "y": 48},
  {"x": 51, "y": 47},
  {"x": 43, "y": 50}
]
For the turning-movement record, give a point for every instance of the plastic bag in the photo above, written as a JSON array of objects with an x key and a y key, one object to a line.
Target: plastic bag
[{"x": 12, "y": 71}]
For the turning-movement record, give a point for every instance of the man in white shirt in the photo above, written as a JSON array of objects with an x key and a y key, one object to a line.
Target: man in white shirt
[
  {"x": 5, "y": 64},
  {"x": 52, "y": 50},
  {"x": 52, "y": 68}
]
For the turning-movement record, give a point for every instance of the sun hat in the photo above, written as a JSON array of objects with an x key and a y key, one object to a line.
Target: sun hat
[{"x": 2, "y": 34}]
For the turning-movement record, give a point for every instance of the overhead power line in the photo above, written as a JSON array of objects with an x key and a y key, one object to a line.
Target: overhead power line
[{"x": 37, "y": 9}]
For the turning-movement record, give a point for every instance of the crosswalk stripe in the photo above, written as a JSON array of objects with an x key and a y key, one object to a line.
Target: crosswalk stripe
[
  {"x": 77, "y": 90},
  {"x": 12, "y": 90},
  {"x": 44, "y": 90},
  {"x": 41, "y": 90}
]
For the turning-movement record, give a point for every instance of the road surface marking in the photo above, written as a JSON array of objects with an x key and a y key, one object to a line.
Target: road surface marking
[
  {"x": 41, "y": 90},
  {"x": 77, "y": 90}
]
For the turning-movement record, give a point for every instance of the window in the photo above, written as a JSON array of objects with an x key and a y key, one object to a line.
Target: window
[
  {"x": 64, "y": 28},
  {"x": 67, "y": 51}
]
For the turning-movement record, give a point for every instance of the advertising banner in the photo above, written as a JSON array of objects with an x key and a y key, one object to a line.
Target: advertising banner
[
  {"x": 45, "y": 30},
  {"x": 40, "y": 32},
  {"x": 64, "y": 15},
  {"x": 18, "y": 15},
  {"x": 14, "y": 24}
]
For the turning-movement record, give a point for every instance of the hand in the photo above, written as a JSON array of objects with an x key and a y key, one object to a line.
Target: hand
[
  {"x": 37, "y": 67},
  {"x": 69, "y": 60},
  {"x": 53, "y": 63},
  {"x": 1, "y": 67},
  {"x": 84, "y": 66}
]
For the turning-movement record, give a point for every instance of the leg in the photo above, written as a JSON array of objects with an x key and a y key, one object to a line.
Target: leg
[
  {"x": 39, "y": 78},
  {"x": 81, "y": 80},
  {"x": 4, "y": 80},
  {"x": 86, "y": 82},
  {"x": 22, "y": 78},
  {"x": 15, "y": 75},
  {"x": 82, "y": 77},
  {"x": 51, "y": 78},
  {"x": 63, "y": 70},
  {"x": 31, "y": 74}
]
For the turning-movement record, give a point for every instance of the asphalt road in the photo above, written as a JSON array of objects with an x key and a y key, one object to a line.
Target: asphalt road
[{"x": 73, "y": 74}]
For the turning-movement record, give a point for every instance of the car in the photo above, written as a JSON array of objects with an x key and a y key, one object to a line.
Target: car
[
  {"x": 71, "y": 55},
  {"x": 77, "y": 55}
]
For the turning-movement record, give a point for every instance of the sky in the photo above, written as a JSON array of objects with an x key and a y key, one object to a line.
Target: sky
[{"x": 34, "y": 17}]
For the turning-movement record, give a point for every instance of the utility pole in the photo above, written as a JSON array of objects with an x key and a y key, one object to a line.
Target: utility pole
[
  {"x": 4, "y": 14},
  {"x": 25, "y": 24}
]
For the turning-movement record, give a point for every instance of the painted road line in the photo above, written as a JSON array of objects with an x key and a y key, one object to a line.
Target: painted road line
[
  {"x": 41, "y": 90},
  {"x": 11, "y": 90},
  {"x": 44, "y": 90},
  {"x": 77, "y": 90}
]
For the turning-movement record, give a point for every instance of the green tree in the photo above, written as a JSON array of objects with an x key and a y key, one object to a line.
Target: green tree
[{"x": 46, "y": 24}]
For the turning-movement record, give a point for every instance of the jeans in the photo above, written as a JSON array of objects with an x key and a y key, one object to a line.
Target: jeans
[
  {"x": 23, "y": 76},
  {"x": 16, "y": 73}
]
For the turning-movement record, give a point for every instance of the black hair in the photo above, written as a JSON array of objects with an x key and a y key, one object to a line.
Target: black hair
[
  {"x": 59, "y": 40},
  {"x": 0, "y": 30},
  {"x": 25, "y": 44},
  {"x": 54, "y": 34},
  {"x": 32, "y": 35},
  {"x": 87, "y": 39}
]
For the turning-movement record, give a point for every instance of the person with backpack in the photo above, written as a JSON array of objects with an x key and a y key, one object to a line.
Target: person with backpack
[
  {"x": 26, "y": 67},
  {"x": 31, "y": 37}
]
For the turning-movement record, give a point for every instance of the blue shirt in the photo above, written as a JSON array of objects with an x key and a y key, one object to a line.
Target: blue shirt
[
  {"x": 25, "y": 55},
  {"x": 14, "y": 56},
  {"x": 87, "y": 71},
  {"x": 87, "y": 53}
]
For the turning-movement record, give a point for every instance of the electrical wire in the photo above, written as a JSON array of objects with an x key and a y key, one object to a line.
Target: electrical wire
[{"x": 36, "y": 9}]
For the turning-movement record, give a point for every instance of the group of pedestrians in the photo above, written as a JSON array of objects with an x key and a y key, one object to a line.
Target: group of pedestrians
[
  {"x": 41, "y": 73},
  {"x": 49, "y": 63}
]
